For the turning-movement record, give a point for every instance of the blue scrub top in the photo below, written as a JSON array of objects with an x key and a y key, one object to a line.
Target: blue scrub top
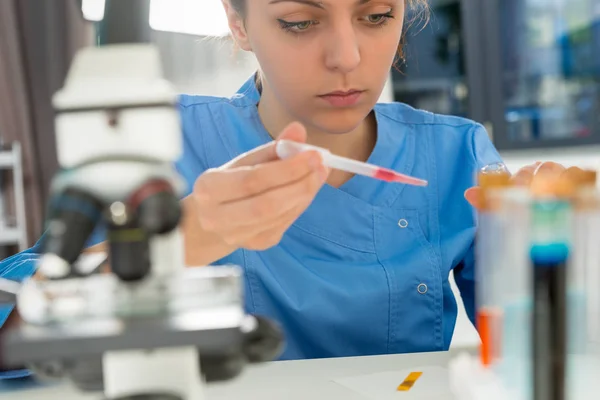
[{"x": 365, "y": 269}]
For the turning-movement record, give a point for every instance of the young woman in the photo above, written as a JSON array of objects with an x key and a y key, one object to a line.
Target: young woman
[{"x": 346, "y": 264}]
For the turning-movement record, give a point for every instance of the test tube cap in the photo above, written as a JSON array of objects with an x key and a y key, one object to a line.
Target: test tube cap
[
  {"x": 590, "y": 177},
  {"x": 489, "y": 182},
  {"x": 494, "y": 180},
  {"x": 495, "y": 168},
  {"x": 574, "y": 173},
  {"x": 580, "y": 177},
  {"x": 586, "y": 196}
]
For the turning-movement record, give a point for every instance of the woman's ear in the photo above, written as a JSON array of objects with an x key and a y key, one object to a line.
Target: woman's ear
[{"x": 237, "y": 26}]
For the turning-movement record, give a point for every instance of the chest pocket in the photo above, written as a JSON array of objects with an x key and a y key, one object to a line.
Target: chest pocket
[{"x": 413, "y": 267}]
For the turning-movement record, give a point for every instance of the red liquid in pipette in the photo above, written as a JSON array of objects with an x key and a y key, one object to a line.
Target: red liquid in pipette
[
  {"x": 385, "y": 175},
  {"x": 392, "y": 176}
]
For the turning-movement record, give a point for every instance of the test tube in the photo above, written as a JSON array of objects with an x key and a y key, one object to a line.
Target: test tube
[
  {"x": 576, "y": 289},
  {"x": 589, "y": 210},
  {"x": 515, "y": 363},
  {"x": 582, "y": 289},
  {"x": 489, "y": 265},
  {"x": 551, "y": 240}
]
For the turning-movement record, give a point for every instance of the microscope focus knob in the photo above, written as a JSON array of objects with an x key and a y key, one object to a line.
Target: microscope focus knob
[
  {"x": 157, "y": 207},
  {"x": 223, "y": 367},
  {"x": 265, "y": 342}
]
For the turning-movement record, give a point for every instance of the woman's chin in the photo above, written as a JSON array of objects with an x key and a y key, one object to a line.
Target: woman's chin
[{"x": 339, "y": 122}]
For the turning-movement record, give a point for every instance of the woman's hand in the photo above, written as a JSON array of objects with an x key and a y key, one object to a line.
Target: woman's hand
[
  {"x": 523, "y": 177},
  {"x": 251, "y": 201}
]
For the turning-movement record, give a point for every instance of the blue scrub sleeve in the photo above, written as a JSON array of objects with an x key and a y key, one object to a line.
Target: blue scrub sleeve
[
  {"x": 193, "y": 160},
  {"x": 464, "y": 276},
  {"x": 23, "y": 265},
  {"x": 18, "y": 267},
  {"x": 484, "y": 153}
]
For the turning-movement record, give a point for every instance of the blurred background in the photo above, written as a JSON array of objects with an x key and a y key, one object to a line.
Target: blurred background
[{"x": 529, "y": 70}]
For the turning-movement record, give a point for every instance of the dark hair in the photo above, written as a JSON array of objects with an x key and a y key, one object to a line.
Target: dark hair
[{"x": 239, "y": 6}]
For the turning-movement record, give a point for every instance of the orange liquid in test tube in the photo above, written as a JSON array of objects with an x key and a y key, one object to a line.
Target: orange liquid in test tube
[{"x": 489, "y": 325}]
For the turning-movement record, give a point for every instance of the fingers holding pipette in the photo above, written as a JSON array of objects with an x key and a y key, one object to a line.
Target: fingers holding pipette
[
  {"x": 251, "y": 201},
  {"x": 234, "y": 183},
  {"x": 244, "y": 208},
  {"x": 266, "y": 234}
]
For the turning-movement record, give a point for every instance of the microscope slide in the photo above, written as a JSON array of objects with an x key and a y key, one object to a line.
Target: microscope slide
[{"x": 426, "y": 383}]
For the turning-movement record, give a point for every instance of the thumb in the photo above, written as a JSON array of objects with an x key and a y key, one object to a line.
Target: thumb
[
  {"x": 265, "y": 153},
  {"x": 473, "y": 196}
]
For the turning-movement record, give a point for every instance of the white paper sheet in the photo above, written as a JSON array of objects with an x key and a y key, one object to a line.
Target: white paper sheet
[{"x": 433, "y": 384}]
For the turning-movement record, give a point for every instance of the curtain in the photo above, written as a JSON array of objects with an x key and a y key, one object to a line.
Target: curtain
[{"x": 38, "y": 39}]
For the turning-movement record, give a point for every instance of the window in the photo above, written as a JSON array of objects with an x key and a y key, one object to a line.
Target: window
[{"x": 194, "y": 17}]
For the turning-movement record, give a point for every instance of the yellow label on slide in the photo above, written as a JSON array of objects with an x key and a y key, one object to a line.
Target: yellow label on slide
[{"x": 409, "y": 381}]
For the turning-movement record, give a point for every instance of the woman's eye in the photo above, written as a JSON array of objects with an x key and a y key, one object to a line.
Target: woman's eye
[
  {"x": 376, "y": 18},
  {"x": 296, "y": 26},
  {"x": 303, "y": 25},
  {"x": 379, "y": 19}
]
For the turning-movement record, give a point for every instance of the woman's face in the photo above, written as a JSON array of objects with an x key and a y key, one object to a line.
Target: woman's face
[{"x": 325, "y": 62}]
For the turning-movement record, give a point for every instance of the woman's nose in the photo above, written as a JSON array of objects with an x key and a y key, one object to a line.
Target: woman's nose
[{"x": 342, "y": 53}]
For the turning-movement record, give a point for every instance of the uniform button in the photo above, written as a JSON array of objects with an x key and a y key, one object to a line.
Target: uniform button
[
  {"x": 422, "y": 288},
  {"x": 403, "y": 223}
]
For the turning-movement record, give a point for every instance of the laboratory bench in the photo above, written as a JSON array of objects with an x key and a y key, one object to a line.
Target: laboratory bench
[{"x": 354, "y": 378}]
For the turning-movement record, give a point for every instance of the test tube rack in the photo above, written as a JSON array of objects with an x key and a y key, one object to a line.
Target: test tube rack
[{"x": 537, "y": 292}]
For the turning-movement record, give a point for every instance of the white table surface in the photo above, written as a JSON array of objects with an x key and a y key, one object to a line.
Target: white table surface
[{"x": 291, "y": 380}]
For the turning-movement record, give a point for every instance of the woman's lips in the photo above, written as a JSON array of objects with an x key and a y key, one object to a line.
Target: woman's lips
[{"x": 343, "y": 98}]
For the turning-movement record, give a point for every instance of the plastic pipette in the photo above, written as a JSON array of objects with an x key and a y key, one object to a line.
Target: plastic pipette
[{"x": 286, "y": 149}]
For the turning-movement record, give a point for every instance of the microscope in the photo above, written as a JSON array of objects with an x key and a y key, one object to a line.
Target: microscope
[{"x": 149, "y": 328}]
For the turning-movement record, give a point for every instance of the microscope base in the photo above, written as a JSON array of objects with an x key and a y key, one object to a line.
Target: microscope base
[
  {"x": 153, "y": 374},
  {"x": 160, "y": 339}
]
